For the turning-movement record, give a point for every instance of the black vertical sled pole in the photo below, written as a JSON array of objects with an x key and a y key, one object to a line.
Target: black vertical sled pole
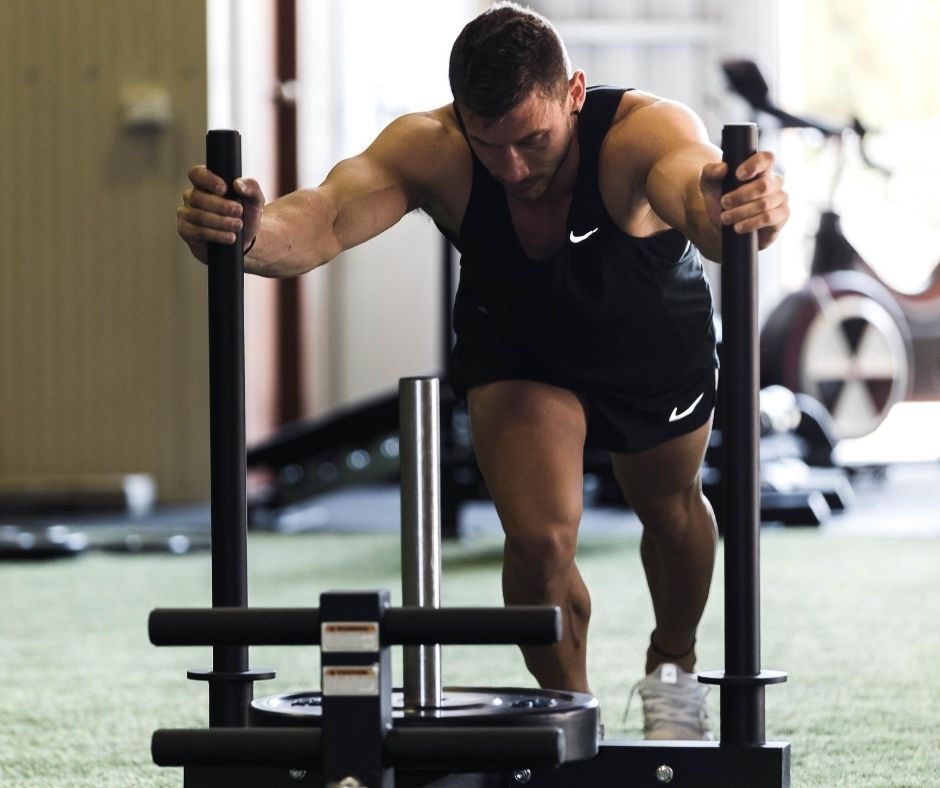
[
  {"x": 741, "y": 460},
  {"x": 227, "y": 393},
  {"x": 742, "y": 682},
  {"x": 230, "y": 689}
]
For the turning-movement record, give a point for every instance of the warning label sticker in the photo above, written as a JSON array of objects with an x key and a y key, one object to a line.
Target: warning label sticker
[
  {"x": 347, "y": 636},
  {"x": 351, "y": 680}
]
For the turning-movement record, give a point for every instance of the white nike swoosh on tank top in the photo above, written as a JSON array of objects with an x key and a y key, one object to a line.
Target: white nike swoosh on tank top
[{"x": 576, "y": 239}]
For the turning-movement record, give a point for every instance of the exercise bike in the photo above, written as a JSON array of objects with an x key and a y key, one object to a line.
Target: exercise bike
[{"x": 847, "y": 338}]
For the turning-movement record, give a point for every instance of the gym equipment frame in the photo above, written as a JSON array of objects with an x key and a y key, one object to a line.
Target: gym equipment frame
[{"x": 348, "y": 735}]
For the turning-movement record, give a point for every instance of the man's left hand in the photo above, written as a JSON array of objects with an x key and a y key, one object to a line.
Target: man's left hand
[{"x": 760, "y": 204}]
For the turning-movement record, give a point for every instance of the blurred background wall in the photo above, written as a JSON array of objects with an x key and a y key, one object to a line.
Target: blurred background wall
[
  {"x": 102, "y": 351},
  {"x": 102, "y": 311}
]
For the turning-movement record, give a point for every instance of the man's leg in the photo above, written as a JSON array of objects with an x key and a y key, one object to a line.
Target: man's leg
[
  {"x": 529, "y": 441},
  {"x": 664, "y": 487}
]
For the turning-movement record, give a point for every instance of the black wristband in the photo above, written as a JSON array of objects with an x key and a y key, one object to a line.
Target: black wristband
[{"x": 248, "y": 248}]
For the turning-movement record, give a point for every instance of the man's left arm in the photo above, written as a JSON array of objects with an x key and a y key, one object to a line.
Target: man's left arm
[{"x": 683, "y": 182}]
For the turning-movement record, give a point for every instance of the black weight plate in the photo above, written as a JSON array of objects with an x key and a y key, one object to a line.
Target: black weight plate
[{"x": 576, "y": 714}]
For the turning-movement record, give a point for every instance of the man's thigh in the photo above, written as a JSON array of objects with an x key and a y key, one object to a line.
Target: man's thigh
[
  {"x": 668, "y": 469},
  {"x": 529, "y": 441}
]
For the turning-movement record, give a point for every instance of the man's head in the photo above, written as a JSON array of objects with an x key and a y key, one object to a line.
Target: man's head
[
  {"x": 509, "y": 76},
  {"x": 504, "y": 55}
]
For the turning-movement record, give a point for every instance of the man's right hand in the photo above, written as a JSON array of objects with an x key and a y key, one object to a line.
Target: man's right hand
[{"x": 206, "y": 215}]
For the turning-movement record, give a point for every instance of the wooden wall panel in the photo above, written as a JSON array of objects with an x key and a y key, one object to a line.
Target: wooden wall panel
[{"x": 102, "y": 312}]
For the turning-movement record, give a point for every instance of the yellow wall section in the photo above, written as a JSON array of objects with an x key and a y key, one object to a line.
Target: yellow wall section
[{"x": 102, "y": 313}]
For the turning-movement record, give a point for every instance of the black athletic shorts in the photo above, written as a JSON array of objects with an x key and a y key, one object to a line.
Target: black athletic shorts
[{"x": 621, "y": 420}]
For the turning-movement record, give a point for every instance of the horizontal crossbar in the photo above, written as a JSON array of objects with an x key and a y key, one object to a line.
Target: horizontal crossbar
[
  {"x": 529, "y": 625},
  {"x": 453, "y": 748}
]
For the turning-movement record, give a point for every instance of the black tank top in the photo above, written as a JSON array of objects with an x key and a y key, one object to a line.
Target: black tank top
[{"x": 609, "y": 310}]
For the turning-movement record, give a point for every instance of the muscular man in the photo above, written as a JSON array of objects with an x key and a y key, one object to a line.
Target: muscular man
[{"x": 583, "y": 313}]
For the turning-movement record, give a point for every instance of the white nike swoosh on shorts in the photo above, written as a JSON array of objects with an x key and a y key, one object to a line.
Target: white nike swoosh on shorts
[
  {"x": 674, "y": 416},
  {"x": 576, "y": 239}
]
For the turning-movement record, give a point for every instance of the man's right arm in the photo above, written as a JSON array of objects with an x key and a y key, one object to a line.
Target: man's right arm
[{"x": 360, "y": 198}]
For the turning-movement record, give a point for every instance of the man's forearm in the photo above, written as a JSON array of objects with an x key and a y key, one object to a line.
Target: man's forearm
[
  {"x": 706, "y": 237},
  {"x": 699, "y": 228},
  {"x": 296, "y": 235}
]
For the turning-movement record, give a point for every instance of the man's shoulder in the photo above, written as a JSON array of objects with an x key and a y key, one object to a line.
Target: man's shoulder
[
  {"x": 646, "y": 130},
  {"x": 437, "y": 127},
  {"x": 624, "y": 147},
  {"x": 647, "y": 127},
  {"x": 432, "y": 158},
  {"x": 641, "y": 111},
  {"x": 423, "y": 144}
]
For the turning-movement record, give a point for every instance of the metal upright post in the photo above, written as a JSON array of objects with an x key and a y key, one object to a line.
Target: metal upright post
[
  {"x": 742, "y": 682},
  {"x": 230, "y": 689},
  {"x": 419, "y": 450}
]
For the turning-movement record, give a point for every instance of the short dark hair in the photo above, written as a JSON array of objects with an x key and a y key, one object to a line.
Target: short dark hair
[{"x": 502, "y": 56}]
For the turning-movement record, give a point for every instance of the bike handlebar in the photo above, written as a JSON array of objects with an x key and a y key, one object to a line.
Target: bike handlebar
[{"x": 745, "y": 79}]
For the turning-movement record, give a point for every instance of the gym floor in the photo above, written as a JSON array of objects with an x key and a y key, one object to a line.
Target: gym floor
[
  {"x": 849, "y": 613},
  {"x": 849, "y": 610}
]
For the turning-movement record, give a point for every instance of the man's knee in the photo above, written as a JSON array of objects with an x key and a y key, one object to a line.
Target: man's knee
[
  {"x": 673, "y": 519},
  {"x": 541, "y": 552}
]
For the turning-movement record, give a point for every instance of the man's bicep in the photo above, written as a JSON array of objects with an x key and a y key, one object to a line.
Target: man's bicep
[
  {"x": 374, "y": 190},
  {"x": 367, "y": 198},
  {"x": 668, "y": 146},
  {"x": 672, "y": 184}
]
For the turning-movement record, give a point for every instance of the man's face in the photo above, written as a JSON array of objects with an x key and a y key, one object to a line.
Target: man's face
[{"x": 524, "y": 149}]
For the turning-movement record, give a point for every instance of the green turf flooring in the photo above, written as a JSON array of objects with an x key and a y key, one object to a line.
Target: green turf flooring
[{"x": 855, "y": 620}]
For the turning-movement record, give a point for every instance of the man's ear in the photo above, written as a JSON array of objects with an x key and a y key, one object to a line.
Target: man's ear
[{"x": 577, "y": 91}]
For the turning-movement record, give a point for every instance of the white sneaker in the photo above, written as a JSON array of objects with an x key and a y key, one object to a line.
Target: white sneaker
[{"x": 674, "y": 705}]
